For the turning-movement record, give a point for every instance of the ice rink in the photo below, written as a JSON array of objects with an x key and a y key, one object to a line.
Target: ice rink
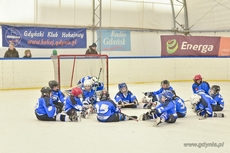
[{"x": 21, "y": 132}]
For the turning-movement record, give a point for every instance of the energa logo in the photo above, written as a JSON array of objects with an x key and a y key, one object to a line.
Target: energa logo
[{"x": 171, "y": 46}]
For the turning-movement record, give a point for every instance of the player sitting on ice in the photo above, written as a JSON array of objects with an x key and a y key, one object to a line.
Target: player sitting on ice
[
  {"x": 154, "y": 96},
  {"x": 165, "y": 112},
  {"x": 202, "y": 105},
  {"x": 181, "y": 109},
  {"x": 45, "y": 110},
  {"x": 107, "y": 110},
  {"x": 199, "y": 84},
  {"x": 214, "y": 92},
  {"x": 89, "y": 97},
  {"x": 73, "y": 102},
  {"x": 125, "y": 98},
  {"x": 57, "y": 96}
]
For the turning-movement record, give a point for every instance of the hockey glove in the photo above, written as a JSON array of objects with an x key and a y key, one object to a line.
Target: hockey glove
[
  {"x": 199, "y": 112},
  {"x": 149, "y": 94},
  {"x": 122, "y": 104},
  {"x": 153, "y": 111}
]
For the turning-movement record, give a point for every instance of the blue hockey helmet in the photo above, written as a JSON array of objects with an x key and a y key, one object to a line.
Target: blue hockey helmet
[
  {"x": 168, "y": 94},
  {"x": 122, "y": 85}
]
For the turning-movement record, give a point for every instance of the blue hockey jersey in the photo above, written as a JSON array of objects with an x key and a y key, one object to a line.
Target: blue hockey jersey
[
  {"x": 87, "y": 95},
  {"x": 128, "y": 98},
  {"x": 73, "y": 103},
  {"x": 45, "y": 106},
  {"x": 205, "y": 104},
  {"x": 180, "y": 105},
  {"x": 157, "y": 94},
  {"x": 105, "y": 109},
  {"x": 58, "y": 96},
  {"x": 203, "y": 86},
  {"x": 219, "y": 99},
  {"x": 168, "y": 107}
]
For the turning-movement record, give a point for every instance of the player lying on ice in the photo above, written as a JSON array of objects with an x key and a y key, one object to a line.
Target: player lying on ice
[
  {"x": 201, "y": 103},
  {"x": 199, "y": 84},
  {"x": 154, "y": 96},
  {"x": 125, "y": 98},
  {"x": 164, "y": 112},
  {"x": 96, "y": 85},
  {"x": 57, "y": 96},
  {"x": 214, "y": 93},
  {"x": 45, "y": 110},
  {"x": 108, "y": 111}
]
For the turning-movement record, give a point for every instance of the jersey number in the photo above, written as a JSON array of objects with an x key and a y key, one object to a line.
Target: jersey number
[
  {"x": 182, "y": 104},
  {"x": 102, "y": 109}
]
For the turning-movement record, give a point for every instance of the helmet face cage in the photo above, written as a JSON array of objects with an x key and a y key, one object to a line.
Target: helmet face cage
[
  {"x": 121, "y": 86},
  {"x": 104, "y": 95},
  {"x": 215, "y": 89},
  {"x": 166, "y": 83}
]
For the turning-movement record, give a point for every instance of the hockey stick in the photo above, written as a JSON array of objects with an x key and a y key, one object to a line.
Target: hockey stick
[{"x": 130, "y": 117}]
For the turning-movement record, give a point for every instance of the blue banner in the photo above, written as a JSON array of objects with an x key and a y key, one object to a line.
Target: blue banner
[
  {"x": 114, "y": 40},
  {"x": 42, "y": 37}
]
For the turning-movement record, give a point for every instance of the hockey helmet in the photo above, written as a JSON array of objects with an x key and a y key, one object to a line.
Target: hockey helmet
[
  {"x": 194, "y": 99},
  {"x": 215, "y": 88},
  {"x": 122, "y": 85},
  {"x": 88, "y": 82},
  {"x": 53, "y": 83},
  {"x": 45, "y": 90},
  {"x": 197, "y": 77},
  {"x": 168, "y": 94},
  {"x": 76, "y": 91},
  {"x": 104, "y": 95}
]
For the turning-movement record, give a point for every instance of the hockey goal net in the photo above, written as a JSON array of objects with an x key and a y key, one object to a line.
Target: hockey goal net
[{"x": 69, "y": 69}]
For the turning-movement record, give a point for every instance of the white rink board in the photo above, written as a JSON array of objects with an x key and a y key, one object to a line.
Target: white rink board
[{"x": 35, "y": 73}]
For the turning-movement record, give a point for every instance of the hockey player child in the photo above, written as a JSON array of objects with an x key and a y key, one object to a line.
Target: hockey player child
[
  {"x": 199, "y": 84},
  {"x": 214, "y": 93},
  {"x": 45, "y": 110},
  {"x": 165, "y": 112},
  {"x": 165, "y": 85},
  {"x": 89, "y": 97},
  {"x": 181, "y": 109},
  {"x": 203, "y": 107},
  {"x": 57, "y": 96},
  {"x": 73, "y": 102},
  {"x": 125, "y": 98},
  {"x": 107, "y": 110}
]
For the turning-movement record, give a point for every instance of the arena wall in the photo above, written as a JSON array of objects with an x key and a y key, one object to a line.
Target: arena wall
[{"x": 34, "y": 73}]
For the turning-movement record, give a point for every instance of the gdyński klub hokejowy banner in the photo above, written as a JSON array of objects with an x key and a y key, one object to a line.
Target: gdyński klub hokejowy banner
[
  {"x": 44, "y": 37},
  {"x": 178, "y": 45}
]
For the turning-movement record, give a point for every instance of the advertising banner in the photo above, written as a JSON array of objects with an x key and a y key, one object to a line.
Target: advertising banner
[
  {"x": 177, "y": 45},
  {"x": 115, "y": 40},
  {"x": 42, "y": 37}
]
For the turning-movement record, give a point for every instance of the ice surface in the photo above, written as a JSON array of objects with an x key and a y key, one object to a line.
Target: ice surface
[{"x": 21, "y": 132}]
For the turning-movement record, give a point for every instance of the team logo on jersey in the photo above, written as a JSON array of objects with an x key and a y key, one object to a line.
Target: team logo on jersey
[{"x": 171, "y": 46}]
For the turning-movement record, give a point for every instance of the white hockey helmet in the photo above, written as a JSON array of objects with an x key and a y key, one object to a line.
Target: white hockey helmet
[
  {"x": 94, "y": 79},
  {"x": 194, "y": 99},
  {"x": 88, "y": 83}
]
